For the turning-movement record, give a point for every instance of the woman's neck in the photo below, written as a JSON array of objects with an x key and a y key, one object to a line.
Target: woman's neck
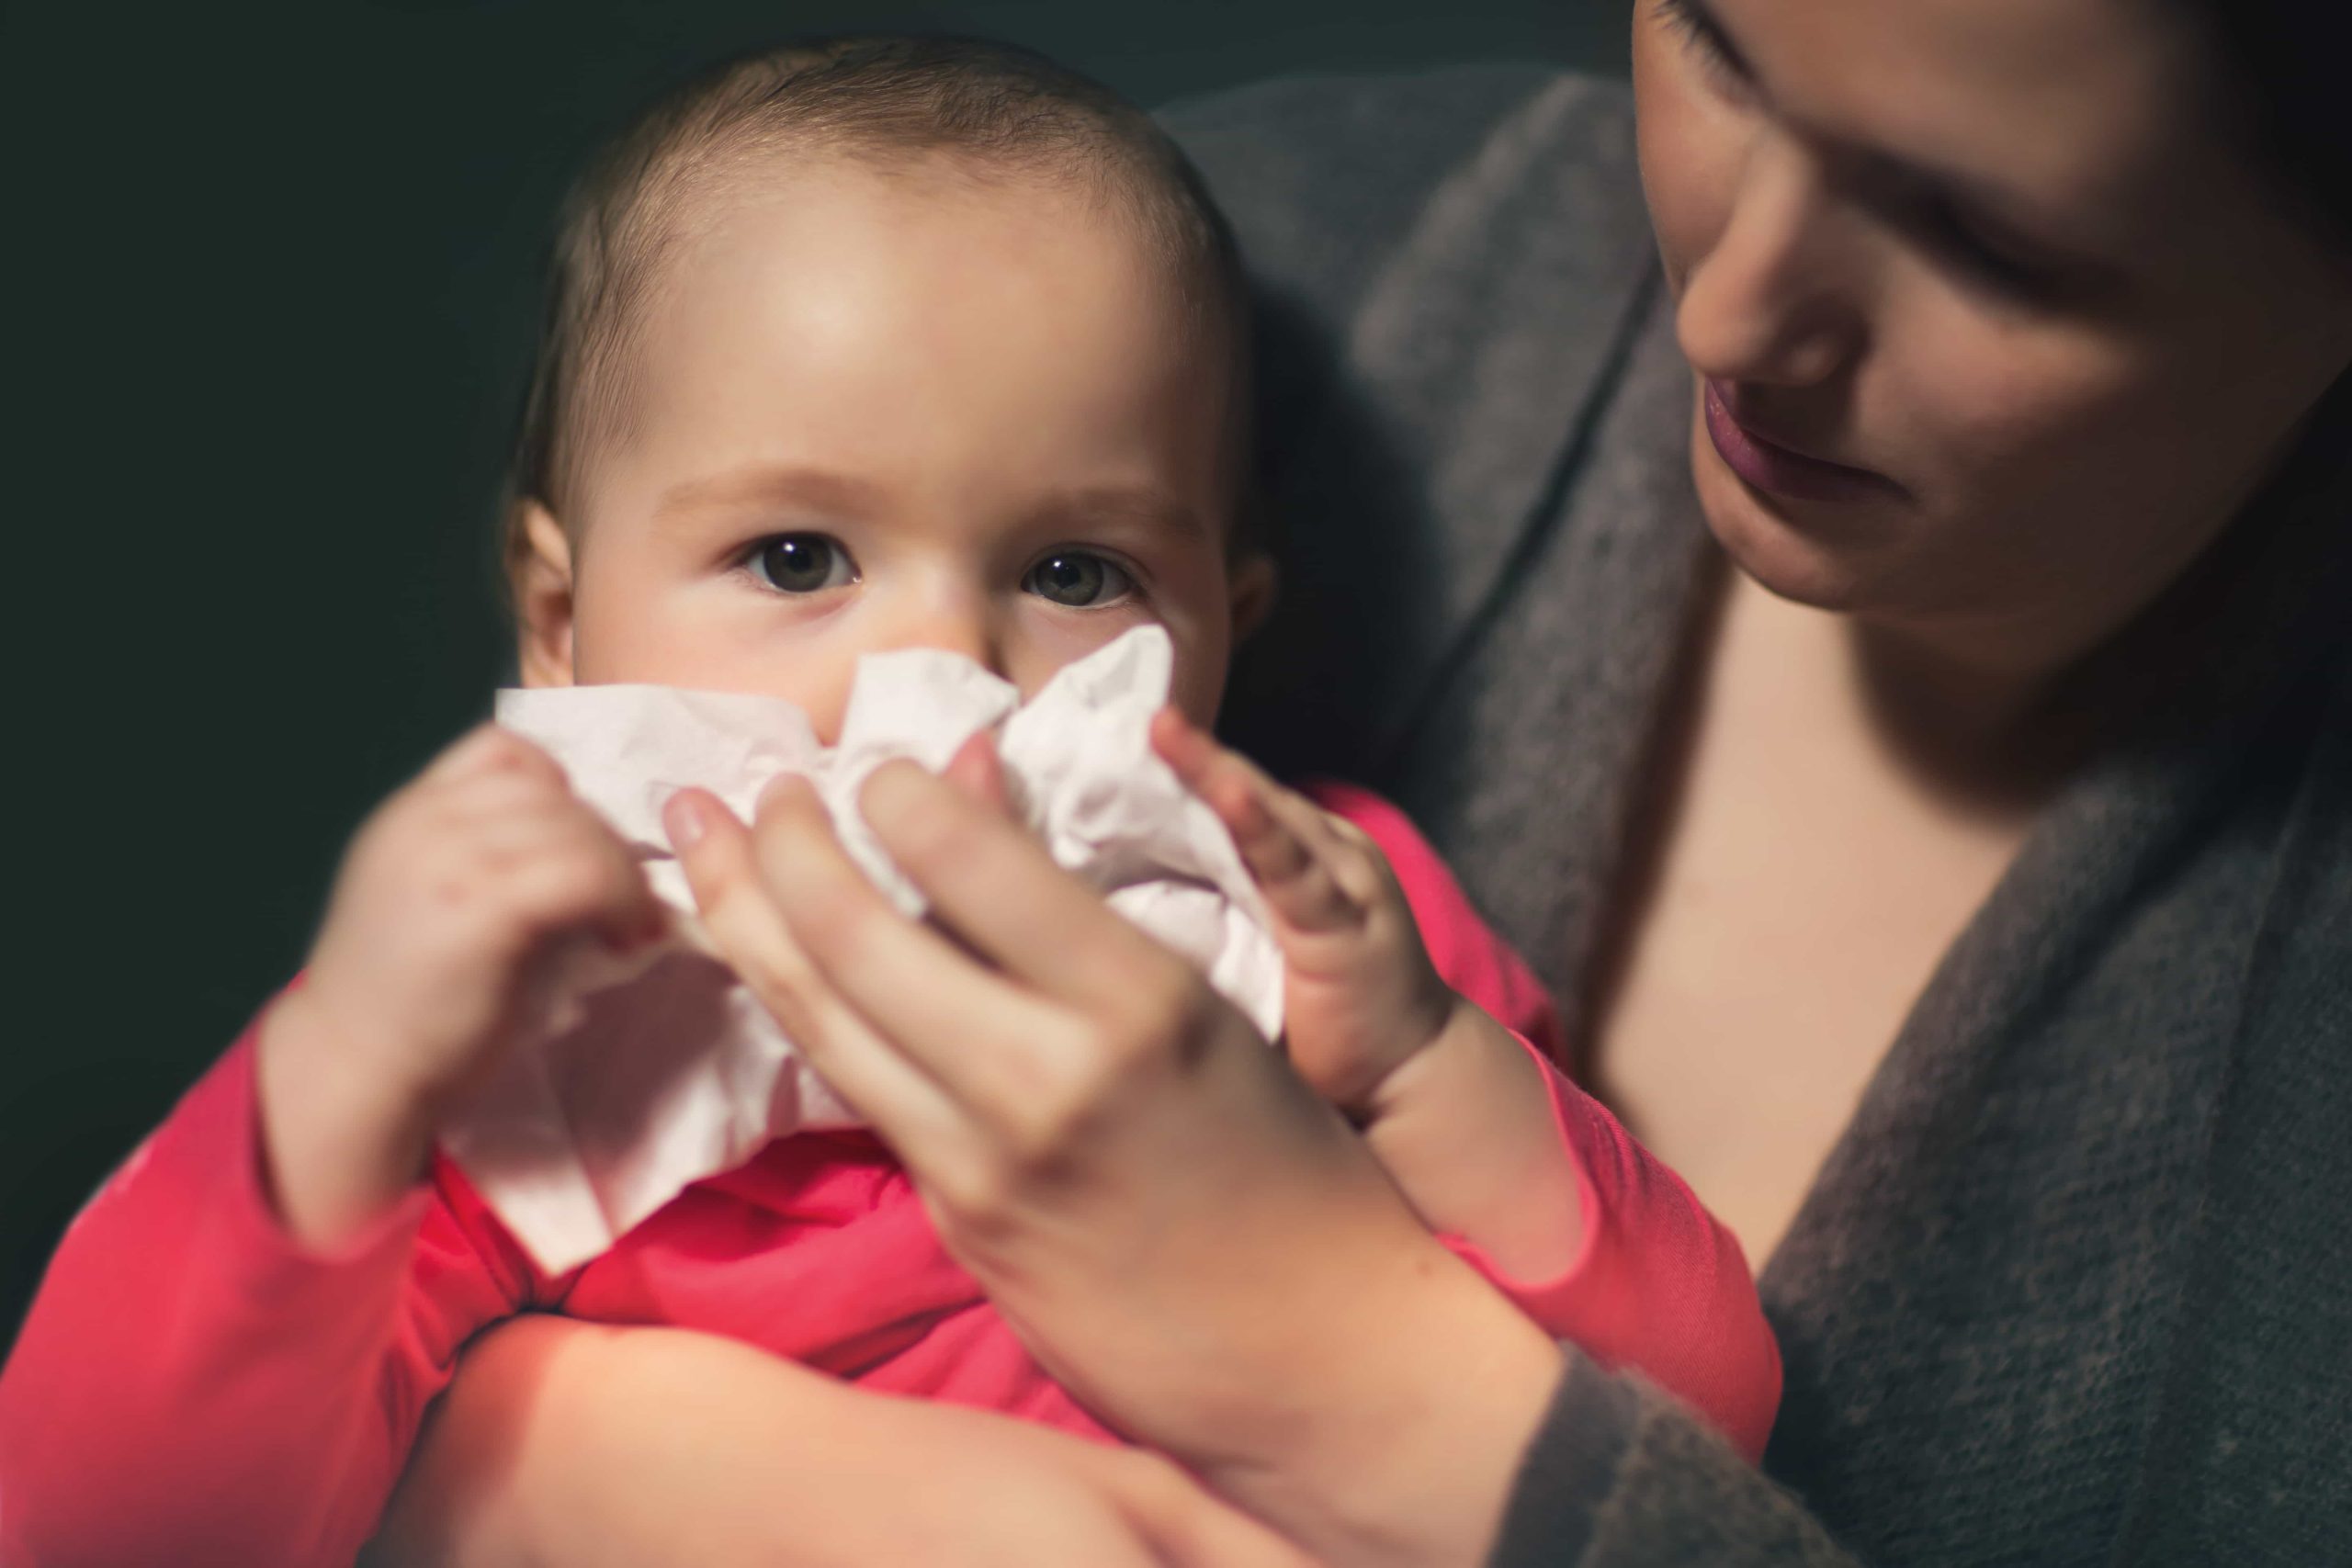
[
  {"x": 1991, "y": 735},
  {"x": 1982, "y": 738}
]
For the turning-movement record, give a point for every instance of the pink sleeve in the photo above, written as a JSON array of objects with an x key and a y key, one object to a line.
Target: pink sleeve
[
  {"x": 194, "y": 1387},
  {"x": 1659, "y": 1286}
]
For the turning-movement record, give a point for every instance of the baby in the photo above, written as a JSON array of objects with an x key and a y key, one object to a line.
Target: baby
[{"x": 861, "y": 347}]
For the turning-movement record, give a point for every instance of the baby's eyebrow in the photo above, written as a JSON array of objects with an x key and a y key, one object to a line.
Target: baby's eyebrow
[
  {"x": 1140, "y": 506},
  {"x": 836, "y": 494}
]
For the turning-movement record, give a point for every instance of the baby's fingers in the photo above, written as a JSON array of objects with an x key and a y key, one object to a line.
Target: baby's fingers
[
  {"x": 487, "y": 749},
  {"x": 1281, "y": 836}
]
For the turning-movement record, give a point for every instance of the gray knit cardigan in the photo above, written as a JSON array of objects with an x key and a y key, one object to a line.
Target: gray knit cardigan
[{"x": 2075, "y": 1285}]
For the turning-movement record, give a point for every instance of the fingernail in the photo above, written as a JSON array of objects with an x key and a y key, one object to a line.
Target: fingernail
[
  {"x": 779, "y": 786},
  {"x": 683, "y": 819},
  {"x": 877, "y": 787}
]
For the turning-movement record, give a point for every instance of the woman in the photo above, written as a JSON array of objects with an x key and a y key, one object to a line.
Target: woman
[{"x": 1947, "y": 852}]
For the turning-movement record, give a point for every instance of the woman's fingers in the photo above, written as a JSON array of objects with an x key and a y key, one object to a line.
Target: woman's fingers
[
  {"x": 993, "y": 888},
  {"x": 983, "y": 1039},
  {"x": 942, "y": 1055},
  {"x": 750, "y": 933},
  {"x": 1282, "y": 837},
  {"x": 977, "y": 769}
]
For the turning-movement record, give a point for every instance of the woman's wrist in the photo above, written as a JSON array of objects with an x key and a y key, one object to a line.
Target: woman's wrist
[{"x": 1424, "y": 1395}]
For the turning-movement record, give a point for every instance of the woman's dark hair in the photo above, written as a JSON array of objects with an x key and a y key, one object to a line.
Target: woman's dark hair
[{"x": 2282, "y": 70}]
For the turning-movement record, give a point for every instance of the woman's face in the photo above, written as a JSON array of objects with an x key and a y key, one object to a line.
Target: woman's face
[{"x": 1994, "y": 329}]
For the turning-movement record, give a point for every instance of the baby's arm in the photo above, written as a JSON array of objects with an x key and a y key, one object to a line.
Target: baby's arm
[
  {"x": 230, "y": 1353},
  {"x": 195, "y": 1386},
  {"x": 1405, "y": 1010},
  {"x": 1451, "y": 1102}
]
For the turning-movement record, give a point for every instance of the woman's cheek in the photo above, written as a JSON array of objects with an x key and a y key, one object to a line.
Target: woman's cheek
[
  {"x": 1691, "y": 147},
  {"x": 2018, "y": 444},
  {"x": 1977, "y": 399}
]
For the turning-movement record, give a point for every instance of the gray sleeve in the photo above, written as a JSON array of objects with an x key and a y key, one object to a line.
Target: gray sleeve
[
  {"x": 1446, "y": 266},
  {"x": 1619, "y": 1476}
]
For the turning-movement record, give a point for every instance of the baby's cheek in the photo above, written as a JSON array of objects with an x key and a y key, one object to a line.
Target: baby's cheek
[
  {"x": 1197, "y": 685},
  {"x": 825, "y": 708},
  {"x": 716, "y": 641}
]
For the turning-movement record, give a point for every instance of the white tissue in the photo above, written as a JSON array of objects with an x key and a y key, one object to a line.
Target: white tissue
[{"x": 658, "y": 1073}]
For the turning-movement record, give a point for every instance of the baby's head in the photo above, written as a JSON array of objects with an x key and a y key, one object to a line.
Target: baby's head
[{"x": 882, "y": 343}]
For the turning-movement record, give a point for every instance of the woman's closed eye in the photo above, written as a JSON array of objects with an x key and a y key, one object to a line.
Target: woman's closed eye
[
  {"x": 802, "y": 563},
  {"x": 1079, "y": 579},
  {"x": 1706, "y": 39},
  {"x": 2004, "y": 264}
]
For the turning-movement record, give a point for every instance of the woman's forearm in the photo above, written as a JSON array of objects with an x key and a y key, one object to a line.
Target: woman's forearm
[
  {"x": 592, "y": 1446},
  {"x": 499, "y": 1462},
  {"x": 584, "y": 1445}
]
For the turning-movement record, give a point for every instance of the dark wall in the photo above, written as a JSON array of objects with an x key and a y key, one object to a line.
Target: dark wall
[{"x": 270, "y": 282}]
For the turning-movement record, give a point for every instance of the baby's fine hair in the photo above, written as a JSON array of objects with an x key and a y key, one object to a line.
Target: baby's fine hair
[{"x": 990, "y": 110}]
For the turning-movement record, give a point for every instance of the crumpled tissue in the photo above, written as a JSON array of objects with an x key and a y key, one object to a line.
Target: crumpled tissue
[{"x": 654, "y": 1074}]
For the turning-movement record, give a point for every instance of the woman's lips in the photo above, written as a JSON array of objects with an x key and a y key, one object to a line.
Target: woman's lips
[{"x": 1775, "y": 469}]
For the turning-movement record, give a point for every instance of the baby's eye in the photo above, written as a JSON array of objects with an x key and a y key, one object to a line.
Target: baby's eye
[
  {"x": 1079, "y": 579},
  {"x": 803, "y": 563}
]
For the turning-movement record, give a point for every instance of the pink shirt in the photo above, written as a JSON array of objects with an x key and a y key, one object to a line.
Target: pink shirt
[{"x": 194, "y": 1387}]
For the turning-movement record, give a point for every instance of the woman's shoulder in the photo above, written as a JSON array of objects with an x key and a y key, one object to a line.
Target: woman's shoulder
[
  {"x": 1325, "y": 177},
  {"x": 1460, "y": 338}
]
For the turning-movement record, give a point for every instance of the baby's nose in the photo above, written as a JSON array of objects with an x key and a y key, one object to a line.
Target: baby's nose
[{"x": 958, "y": 628}]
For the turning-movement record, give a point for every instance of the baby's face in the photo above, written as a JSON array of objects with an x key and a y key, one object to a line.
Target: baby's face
[{"x": 876, "y": 410}]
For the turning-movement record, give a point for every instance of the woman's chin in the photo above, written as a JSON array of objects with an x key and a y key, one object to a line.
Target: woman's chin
[{"x": 1784, "y": 545}]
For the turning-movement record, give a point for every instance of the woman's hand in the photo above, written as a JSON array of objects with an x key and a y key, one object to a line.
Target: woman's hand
[
  {"x": 571, "y": 1443},
  {"x": 1181, "y": 1231}
]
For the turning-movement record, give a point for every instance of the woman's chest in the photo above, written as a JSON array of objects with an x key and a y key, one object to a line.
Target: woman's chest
[
  {"x": 1783, "y": 917},
  {"x": 1748, "y": 1023}
]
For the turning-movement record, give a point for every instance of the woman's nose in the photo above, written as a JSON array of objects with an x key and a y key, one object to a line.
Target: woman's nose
[{"x": 1774, "y": 301}]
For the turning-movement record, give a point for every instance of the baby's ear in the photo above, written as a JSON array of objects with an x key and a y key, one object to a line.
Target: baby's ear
[
  {"x": 538, "y": 577},
  {"x": 1252, "y": 584}
]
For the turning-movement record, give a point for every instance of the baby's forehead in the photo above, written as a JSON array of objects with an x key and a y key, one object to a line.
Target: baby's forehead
[
  {"x": 789, "y": 254},
  {"x": 793, "y": 193},
  {"x": 988, "y": 129},
  {"x": 924, "y": 320}
]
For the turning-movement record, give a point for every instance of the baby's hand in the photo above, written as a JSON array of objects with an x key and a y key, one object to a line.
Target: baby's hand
[
  {"x": 1361, "y": 996},
  {"x": 455, "y": 908},
  {"x": 1451, "y": 1103}
]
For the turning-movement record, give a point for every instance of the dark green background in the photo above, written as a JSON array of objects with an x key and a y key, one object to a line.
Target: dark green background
[{"x": 270, "y": 279}]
